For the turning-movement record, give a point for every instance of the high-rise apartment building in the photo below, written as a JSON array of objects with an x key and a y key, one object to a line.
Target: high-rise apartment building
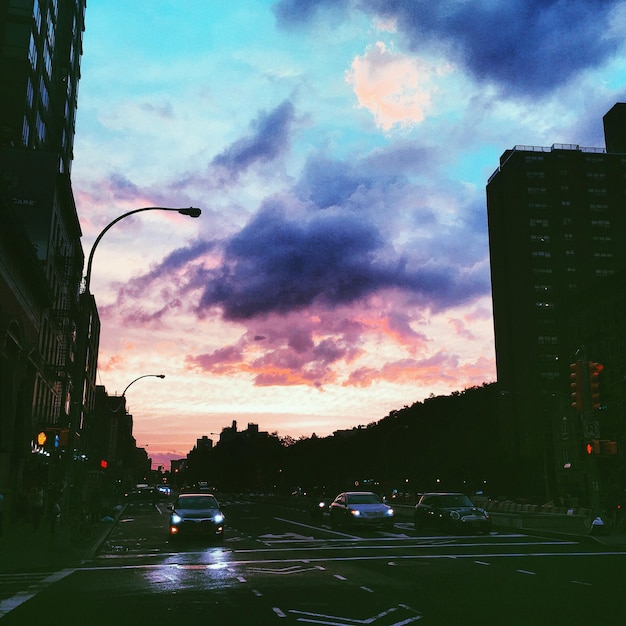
[
  {"x": 41, "y": 257},
  {"x": 557, "y": 229},
  {"x": 40, "y": 51}
]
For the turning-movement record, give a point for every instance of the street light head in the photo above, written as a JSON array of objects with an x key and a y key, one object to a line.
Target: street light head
[
  {"x": 160, "y": 375},
  {"x": 191, "y": 211}
]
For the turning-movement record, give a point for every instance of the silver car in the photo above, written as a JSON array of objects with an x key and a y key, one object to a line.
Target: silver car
[
  {"x": 196, "y": 515},
  {"x": 362, "y": 508}
]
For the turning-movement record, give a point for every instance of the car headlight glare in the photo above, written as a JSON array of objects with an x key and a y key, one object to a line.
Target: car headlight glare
[
  {"x": 176, "y": 519},
  {"x": 218, "y": 519},
  {"x": 355, "y": 513},
  {"x": 389, "y": 512}
]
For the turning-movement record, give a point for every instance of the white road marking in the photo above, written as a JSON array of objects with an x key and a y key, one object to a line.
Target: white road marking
[
  {"x": 525, "y": 571},
  {"x": 6, "y": 606}
]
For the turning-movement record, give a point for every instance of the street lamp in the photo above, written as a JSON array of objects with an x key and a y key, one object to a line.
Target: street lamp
[
  {"x": 191, "y": 212},
  {"x": 84, "y": 323},
  {"x": 140, "y": 377},
  {"x": 123, "y": 396}
]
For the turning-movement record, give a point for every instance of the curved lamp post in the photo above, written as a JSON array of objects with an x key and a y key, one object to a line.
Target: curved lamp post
[
  {"x": 191, "y": 212},
  {"x": 140, "y": 377},
  {"x": 123, "y": 396}
]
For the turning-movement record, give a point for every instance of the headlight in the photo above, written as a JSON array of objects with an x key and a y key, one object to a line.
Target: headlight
[
  {"x": 218, "y": 519},
  {"x": 354, "y": 512},
  {"x": 321, "y": 505},
  {"x": 455, "y": 515},
  {"x": 389, "y": 512},
  {"x": 176, "y": 518}
]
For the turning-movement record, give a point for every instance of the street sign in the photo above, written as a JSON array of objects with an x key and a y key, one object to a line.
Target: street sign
[{"x": 591, "y": 428}]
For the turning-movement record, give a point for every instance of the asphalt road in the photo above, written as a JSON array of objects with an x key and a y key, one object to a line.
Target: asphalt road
[{"x": 276, "y": 566}]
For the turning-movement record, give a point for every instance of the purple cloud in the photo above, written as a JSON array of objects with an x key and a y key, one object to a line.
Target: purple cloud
[
  {"x": 528, "y": 47},
  {"x": 270, "y": 137}
]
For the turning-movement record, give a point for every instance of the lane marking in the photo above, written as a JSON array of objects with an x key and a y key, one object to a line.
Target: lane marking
[
  {"x": 580, "y": 582},
  {"x": 278, "y": 612},
  {"x": 525, "y": 571},
  {"x": 329, "y": 559},
  {"x": 7, "y": 605},
  {"x": 340, "y": 577},
  {"x": 482, "y": 563}
]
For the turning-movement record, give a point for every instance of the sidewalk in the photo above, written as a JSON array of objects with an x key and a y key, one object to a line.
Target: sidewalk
[
  {"x": 574, "y": 524},
  {"x": 22, "y": 548}
]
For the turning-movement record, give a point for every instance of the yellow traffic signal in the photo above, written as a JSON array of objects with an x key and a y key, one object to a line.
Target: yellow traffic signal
[
  {"x": 576, "y": 385},
  {"x": 594, "y": 383}
]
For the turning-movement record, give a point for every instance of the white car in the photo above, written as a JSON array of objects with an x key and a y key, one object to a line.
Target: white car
[{"x": 363, "y": 508}]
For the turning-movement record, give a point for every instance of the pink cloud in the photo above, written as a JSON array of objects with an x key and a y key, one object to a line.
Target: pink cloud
[{"x": 394, "y": 87}]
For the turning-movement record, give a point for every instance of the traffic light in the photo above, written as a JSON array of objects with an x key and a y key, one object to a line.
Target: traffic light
[
  {"x": 604, "y": 447},
  {"x": 576, "y": 385},
  {"x": 594, "y": 383}
]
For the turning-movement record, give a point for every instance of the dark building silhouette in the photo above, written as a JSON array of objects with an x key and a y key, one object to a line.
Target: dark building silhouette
[
  {"x": 557, "y": 230},
  {"x": 41, "y": 46},
  {"x": 41, "y": 257}
]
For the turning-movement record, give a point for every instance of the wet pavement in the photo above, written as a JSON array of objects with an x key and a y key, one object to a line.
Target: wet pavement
[{"x": 23, "y": 548}]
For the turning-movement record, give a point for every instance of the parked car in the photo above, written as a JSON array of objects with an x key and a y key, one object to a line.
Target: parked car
[
  {"x": 450, "y": 512},
  {"x": 196, "y": 515},
  {"x": 363, "y": 508}
]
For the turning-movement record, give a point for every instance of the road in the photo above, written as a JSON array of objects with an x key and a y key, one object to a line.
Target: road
[{"x": 276, "y": 566}]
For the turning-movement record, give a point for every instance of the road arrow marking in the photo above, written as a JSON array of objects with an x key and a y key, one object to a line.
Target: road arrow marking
[{"x": 336, "y": 620}]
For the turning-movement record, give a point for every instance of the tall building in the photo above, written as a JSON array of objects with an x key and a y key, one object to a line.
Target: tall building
[
  {"x": 40, "y": 48},
  {"x": 557, "y": 229},
  {"x": 41, "y": 257}
]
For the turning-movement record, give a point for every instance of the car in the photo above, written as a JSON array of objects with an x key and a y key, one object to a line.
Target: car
[
  {"x": 450, "y": 512},
  {"x": 196, "y": 515},
  {"x": 362, "y": 508}
]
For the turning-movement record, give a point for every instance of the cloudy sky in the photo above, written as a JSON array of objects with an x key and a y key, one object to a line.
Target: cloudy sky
[{"x": 339, "y": 151}]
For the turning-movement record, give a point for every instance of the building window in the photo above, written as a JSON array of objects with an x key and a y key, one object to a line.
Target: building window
[
  {"x": 32, "y": 53},
  {"x": 25, "y": 131},
  {"x": 534, "y": 222},
  {"x": 540, "y": 239},
  {"x": 543, "y": 288},
  {"x": 547, "y": 340}
]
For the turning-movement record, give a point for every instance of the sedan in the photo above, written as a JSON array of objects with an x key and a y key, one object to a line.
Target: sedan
[
  {"x": 450, "y": 512},
  {"x": 196, "y": 515},
  {"x": 363, "y": 508}
]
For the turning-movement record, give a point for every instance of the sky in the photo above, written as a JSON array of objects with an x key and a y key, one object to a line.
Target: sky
[{"x": 339, "y": 151}]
